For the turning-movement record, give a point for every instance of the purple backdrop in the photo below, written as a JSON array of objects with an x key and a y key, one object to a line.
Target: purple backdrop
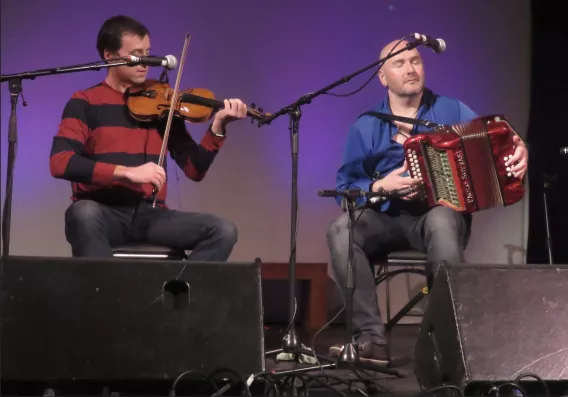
[{"x": 269, "y": 53}]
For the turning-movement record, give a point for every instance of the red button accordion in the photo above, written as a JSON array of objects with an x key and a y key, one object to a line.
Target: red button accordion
[{"x": 462, "y": 166}]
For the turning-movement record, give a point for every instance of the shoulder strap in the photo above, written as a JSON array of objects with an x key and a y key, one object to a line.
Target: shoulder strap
[{"x": 392, "y": 117}]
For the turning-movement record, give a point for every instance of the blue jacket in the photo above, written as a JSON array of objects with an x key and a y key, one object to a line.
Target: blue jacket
[{"x": 370, "y": 148}]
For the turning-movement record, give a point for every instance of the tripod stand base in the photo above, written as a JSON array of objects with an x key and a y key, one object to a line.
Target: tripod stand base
[
  {"x": 348, "y": 359},
  {"x": 293, "y": 350}
]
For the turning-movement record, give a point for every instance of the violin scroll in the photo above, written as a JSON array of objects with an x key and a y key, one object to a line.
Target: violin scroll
[{"x": 258, "y": 114}]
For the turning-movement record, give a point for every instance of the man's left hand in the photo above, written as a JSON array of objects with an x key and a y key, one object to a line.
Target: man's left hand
[
  {"x": 234, "y": 109},
  {"x": 520, "y": 160}
]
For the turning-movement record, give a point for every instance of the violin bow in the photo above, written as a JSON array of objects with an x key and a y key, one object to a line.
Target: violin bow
[{"x": 172, "y": 110}]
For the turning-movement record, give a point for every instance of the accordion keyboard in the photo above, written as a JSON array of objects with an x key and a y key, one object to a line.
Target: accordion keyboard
[{"x": 443, "y": 180}]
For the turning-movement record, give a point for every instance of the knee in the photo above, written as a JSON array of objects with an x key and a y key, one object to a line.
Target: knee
[
  {"x": 83, "y": 213},
  {"x": 443, "y": 221},
  {"x": 225, "y": 230},
  {"x": 337, "y": 233}
]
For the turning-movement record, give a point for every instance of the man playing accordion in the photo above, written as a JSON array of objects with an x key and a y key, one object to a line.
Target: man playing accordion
[{"x": 374, "y": 159}]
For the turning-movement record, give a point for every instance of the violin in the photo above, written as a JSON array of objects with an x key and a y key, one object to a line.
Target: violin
[{"x": 151, "y": 101}]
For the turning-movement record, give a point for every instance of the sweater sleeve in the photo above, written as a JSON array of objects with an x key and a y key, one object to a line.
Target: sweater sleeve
[
  {"x": 193, "y": 158},
  {"x": 67, "y": 160}
]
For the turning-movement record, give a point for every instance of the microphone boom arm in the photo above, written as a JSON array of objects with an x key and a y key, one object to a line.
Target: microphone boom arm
[
  {"x": 306, "y": 99},
  {"x": 64, "y": 69}
]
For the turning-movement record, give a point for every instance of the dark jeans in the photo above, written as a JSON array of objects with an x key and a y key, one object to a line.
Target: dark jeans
[
  {"x": 93, "y": 228},
  {"x": 441, "y": 232}
]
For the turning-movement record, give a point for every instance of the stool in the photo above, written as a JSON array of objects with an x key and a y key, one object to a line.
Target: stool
[
  {"x": 147, "y": 251},
  {"x": 401, "y": 258}
]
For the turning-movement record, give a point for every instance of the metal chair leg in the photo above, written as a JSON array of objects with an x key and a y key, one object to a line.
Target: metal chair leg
[
  {"x": 390, "y": 322},
  {"x": 408, "y": 307}
]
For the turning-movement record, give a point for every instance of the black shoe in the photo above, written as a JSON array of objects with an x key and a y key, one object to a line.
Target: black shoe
[{"x": 368, "y": 351}]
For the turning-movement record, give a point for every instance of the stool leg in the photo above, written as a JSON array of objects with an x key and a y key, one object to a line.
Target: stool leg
[
  {"x": 387, "y": 291},
  {"x": 413, "y": 302}
]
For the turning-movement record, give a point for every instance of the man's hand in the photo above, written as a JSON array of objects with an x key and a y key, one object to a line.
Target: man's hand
[
  {"x": 395, "y": 181},
  {"x": 234, "y": 109},
  {"x": 147, "y": 173},
  {"x": 520, "y": 159}
]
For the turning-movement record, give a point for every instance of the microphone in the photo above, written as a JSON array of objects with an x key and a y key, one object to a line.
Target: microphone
[
  {"x": 438, "y": 45},
  {"x": 402, "y": 192},
  {"x": 350, "y": 193},
  {"x": 373, "y": 196},
  {"x": 168, "y": 62}
]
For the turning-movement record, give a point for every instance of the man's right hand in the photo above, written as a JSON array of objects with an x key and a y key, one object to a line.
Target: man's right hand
[
  {"x": 147, "y": 173},
  {"x": 395, "y": 181}
]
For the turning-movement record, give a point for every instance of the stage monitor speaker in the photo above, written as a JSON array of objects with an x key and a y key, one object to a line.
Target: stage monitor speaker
[
  {"x": 487, "y": 324},
  {"x": 74, "y": 319}
]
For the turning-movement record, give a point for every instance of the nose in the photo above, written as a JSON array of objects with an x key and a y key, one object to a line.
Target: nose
[{"x": 410, "y": 68}]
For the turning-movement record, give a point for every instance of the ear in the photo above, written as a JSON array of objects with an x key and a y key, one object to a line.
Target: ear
[
  {"x": 382, "y": 78},
  {"x": 109, "y": 55}
]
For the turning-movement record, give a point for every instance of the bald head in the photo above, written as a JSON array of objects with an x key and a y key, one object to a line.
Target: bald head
[
  {"x": 392, "y": 46},
  {"x": 402, "y": 74}
]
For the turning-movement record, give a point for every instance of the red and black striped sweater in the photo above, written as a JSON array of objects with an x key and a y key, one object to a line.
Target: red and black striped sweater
[{"x": 97, "y": 133}]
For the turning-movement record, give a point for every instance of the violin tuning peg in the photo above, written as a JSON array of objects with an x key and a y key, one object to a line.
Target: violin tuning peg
[
  {"x": 260, "y": 110},
  {"x": 252, "y": 106}
]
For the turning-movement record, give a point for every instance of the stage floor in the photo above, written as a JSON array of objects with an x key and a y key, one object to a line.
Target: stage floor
[{"x": 403, "y": 338}]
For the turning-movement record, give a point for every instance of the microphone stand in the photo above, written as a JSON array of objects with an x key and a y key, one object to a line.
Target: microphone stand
[
  {"x": 349, "y": 355},
  {"x": 547, "y": 182},
  {"x": 290, "y": 341},
  {"x": 15, "y": 88}
]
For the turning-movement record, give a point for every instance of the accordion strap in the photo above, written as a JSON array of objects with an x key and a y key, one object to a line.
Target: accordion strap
[{"x": 392, "y": 117}]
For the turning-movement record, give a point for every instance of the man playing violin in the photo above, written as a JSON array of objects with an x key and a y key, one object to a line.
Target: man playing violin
[
  {"x": 374, "y": 158},
  {"x": 111, "y": 161}
]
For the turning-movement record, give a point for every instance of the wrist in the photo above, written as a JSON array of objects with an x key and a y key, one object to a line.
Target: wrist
[
  {"x": 218, "y": 128},
  {"x": 376, "y": 185},
  {"x": 121, "y": 172}
]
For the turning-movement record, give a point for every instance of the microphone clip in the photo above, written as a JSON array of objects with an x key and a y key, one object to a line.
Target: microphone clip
[{"x": 164, "y": 78}]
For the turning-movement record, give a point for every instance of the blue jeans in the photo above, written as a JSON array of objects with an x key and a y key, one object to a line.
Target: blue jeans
[
  {"x": 441, "y": 233},
  {"x": 93, "y": 228}
]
